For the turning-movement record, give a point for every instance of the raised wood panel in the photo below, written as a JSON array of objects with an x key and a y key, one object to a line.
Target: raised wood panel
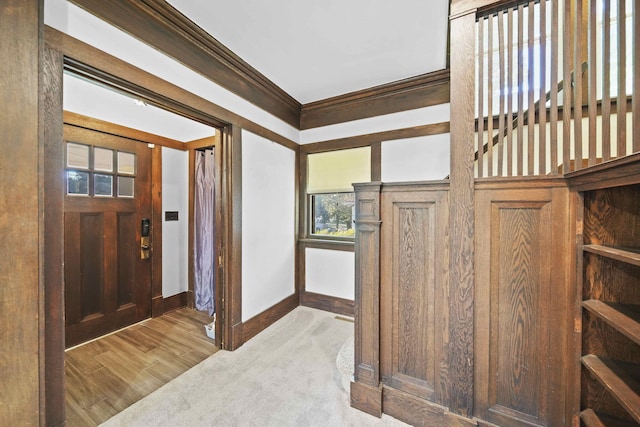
[
  {"x": 91, "y": 235},
  {"x": 126, "y": 256},
  {"x": 523, "y": 301},
  {"x": 413, "y": 276}
]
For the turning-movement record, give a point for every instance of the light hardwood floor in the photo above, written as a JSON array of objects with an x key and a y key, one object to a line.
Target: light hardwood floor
[{"x": 105, "y": 376}]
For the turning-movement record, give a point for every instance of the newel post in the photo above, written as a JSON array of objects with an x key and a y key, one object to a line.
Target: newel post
[
  {"x": 366, "y": 390},
  {"x": 461, "y": 214}
]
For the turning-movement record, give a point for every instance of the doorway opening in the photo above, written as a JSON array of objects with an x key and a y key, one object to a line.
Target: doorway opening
[{"x": 129, "y": 232}]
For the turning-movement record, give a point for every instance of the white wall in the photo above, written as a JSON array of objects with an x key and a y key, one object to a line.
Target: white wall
[
  {"x": 416, "y": 159},
  {"x": 175, "y": 234},
  {"x": 330, "y": 272},
  {"x": 268, "y": 224}
]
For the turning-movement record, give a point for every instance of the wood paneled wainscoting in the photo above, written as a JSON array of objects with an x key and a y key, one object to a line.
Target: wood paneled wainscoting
[{"x": 522, "y": 306}]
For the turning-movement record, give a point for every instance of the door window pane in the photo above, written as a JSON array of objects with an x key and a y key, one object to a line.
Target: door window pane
[
  {"x": 103, "y": 185},
  {"x": 77, "y": 156},
  {"x": 103, "y": 159},
  {"x": 126, "y": 163},
  {"x": 78, "y": 183},
  {"x": 125, "y": 186}
]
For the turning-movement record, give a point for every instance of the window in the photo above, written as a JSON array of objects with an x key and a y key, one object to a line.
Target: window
[
  {"x": 331, "y": 199},
  {"x": 94, "y": 171}
]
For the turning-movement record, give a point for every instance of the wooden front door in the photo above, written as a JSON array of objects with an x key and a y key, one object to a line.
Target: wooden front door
[{"x": 108, "y": 196}]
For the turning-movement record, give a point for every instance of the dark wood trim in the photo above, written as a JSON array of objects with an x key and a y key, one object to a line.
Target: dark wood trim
[
  {"x": 96, "y": 65},
  {"x": 207, "y": 142},
  {"x": 460, "y": 369},
  {"x": 156, "y": 229},
  {"x": 86, "y": 122},
  {"x": 366, "y": 398},
  {"x": 158, "y": 24},
  {"x": 365, "y": 140},
  {"x": 336, "y": 305},
  {"x": 407, "y": 94},
  {"x": 174, "y": 302},
  {"x": 191, "y": 231},
  {"x": 232, "y": 261},
  {"x": 260, "y": 322},
  {"x": 613, "y": 173},
  {"x": 376, "y": 161},
  {"x": 331, "y": 245},
  {"x": 54, "y": 375},
  {"x": 22, "y": 268}
]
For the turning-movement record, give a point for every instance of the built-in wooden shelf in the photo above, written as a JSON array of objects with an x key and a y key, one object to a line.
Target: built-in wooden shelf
[
  {"x": 628, "y": 255},
  {"x": 592, "y": 419},
  {"x": 620, "y": 379},
  {"x": 623, "y": 317}
]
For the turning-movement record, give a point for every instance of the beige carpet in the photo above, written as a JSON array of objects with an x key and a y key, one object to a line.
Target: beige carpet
[{"x": 286, "y": 376}]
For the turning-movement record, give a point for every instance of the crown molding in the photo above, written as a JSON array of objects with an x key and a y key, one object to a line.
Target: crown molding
[
  {"x": 408, "y": 94},
  {"x": 158, "y": 24}
]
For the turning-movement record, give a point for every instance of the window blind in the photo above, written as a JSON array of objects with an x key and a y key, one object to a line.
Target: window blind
[{"x": 335, "y": 171}]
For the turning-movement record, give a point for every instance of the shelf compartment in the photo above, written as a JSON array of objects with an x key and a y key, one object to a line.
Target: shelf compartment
[
  {"x": 620, "y": 379},
  {"x": 623, "y": 317},
  {"x": 628, "y": 255}
]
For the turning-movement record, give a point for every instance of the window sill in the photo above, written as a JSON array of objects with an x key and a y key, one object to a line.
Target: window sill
[{"x": 330, "y": 244}]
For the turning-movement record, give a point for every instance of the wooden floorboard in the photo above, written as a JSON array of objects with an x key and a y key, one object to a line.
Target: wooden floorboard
[{"x": 105, "y": 376}]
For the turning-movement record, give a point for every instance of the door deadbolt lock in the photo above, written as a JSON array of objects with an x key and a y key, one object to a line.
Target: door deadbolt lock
[{"x": 145, "y": 248}]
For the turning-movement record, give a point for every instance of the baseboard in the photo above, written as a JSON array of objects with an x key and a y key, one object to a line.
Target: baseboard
[
  {"x": 336, "y": 305},
  {"x": 174, "y": 302},
  {"x": 416, "y": 411},
  {"x": 257, "y": 324},
  {"x": 366, "y": 398}
]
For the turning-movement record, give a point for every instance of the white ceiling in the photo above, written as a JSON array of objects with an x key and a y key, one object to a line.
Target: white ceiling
[{"x": 314, "y": 50}]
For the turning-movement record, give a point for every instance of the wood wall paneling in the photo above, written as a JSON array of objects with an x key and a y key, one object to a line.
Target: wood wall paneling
[
  {"x": 523, "y": 298},
  {"x": 158, "y": 24},
  {"x": 408, "y": 94},
  {"x": 366, "y": 391},
  {"x": 414, "y": 247}
]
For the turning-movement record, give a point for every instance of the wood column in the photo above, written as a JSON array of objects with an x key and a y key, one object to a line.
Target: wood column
[
  {"x": 461, "y": 217},
  {"x": 22, "y": 218},
  {"x": 366, "y": 390},
  {"x": 54, "y": 187}
]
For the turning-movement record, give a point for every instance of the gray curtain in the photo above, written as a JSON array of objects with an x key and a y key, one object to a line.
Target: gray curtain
[{"x": 204, "y": 233}]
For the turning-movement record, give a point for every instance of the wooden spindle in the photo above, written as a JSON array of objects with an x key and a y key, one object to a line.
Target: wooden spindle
[
  {"x": 501, "y": 120},
  {"x": 542, "y": 104},
  {"x": 635, "y": 101},
  {"x": 593, "y": 73},
  {"x": 490, "y": 97},
  {"x": 531, "y": 120},
  {"x": 622, "y": 79},
  {"x": 577, "y": 87},
  {"x": 567, "y": 99},
  {"x": 481, "y": 80},
  {"x": 606, "y": 80},
  {"x": 553, "y": 96},
  {"x": 520, "y": 122},
  {"x": 509, "y": 143}
]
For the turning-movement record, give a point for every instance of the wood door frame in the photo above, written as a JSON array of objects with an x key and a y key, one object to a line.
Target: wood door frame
[{"x": 64, "y": 53}]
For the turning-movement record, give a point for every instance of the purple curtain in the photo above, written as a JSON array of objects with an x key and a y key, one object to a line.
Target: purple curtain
[{"x": 204, "y": 233}]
